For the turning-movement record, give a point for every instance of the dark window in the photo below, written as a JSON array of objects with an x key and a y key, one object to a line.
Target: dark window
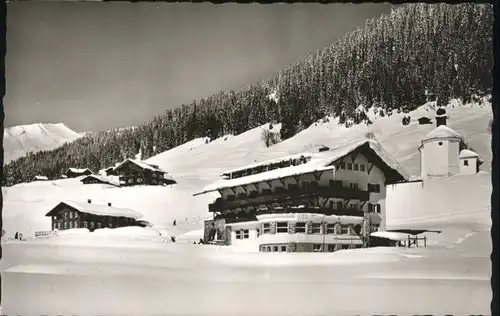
[
  {"x": 300, "y": 227},
  {"x": 331, "y": 247},
  {"x": 374, "y": 188},
  {"x": 370, "y": 207},
  {"x": 342, "y": 165},
  {"x": 345, "y": 246},
  {"x": 282, "y": 227},
  {"x": 377, "y": 208},
  {"x": 283, "y": 248},
  {"x": 362, "y": 168},
  {"x": 356, "y": 167},
  {"x": 466, "y": 162},
  {"x": 269, "y": 249},
  {"x": 349, "y": 166},
  {"x": 332, "y": 204},
  {"x": 246, "y": 234},
  {"x": 316, "y": 228},
  {"x": 264, "y": 249},
  {"x": 275, "y": 248},
  {"x": 238, "y": 234},
  {"x": 317, "y": 247},
  {"x": 339, "y": 205},
  {"x": 353, "y": 185}
]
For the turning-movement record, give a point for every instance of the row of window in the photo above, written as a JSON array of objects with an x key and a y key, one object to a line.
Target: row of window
[
  {"x": 315, "y": 228},
  {"x": 140, "y": 180},
  {"x": 353, "y": 166},
  {"x": 333, "y": 184},
  {"x": 316, "y": 247},
  {"x": 86, "y": 224}
]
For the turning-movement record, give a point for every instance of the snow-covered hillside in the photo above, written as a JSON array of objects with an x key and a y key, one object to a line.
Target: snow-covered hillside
[
  {"x": 19, "y": 140},
  {"x": 161, "y": 277},
  {"x": 198, "y": 163}
]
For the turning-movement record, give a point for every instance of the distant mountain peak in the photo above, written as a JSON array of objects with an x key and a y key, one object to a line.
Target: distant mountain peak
[{"x": 22, "y": 139}]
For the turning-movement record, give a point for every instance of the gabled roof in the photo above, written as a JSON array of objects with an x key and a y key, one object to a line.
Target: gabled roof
[
  {"x": 76, "y": 170},
  {"x": 322, "y": 161},
  {"x": 467, "y": 153},
  {"x": 443, "y": 131},
  {"x": 140, "y": 164},
  {"x": 96, "y": 209}
]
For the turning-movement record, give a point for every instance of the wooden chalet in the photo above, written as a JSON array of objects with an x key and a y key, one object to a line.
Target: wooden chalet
[
  {"x": 424, "y": 120},
  {"x": 75, "y": 172},
  {"x": 338, "y": 192},
  {"x": 134, "y": 172},
  {"x": 70, "y": 214},
  {"x": 94, "y": 179}
]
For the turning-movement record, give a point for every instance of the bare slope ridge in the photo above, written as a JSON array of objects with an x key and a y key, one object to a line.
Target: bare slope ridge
[
  {"x": 19, "y": 140},
  {"x": 198, "y": 163}
]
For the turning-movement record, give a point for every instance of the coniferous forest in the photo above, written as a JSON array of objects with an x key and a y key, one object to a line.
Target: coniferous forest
[{"x": 387, "y": 64}]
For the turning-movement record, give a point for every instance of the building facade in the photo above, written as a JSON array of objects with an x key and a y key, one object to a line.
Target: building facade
[
  {"x": 132, "y": 172},
  {"x": 324, "y": 201},
  {"x": 69, "y": 215},
  {"x": 444, "y": 153}
]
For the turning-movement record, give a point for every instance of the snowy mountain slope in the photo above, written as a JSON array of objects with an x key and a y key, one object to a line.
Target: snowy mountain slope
[
  {"x": 19, "y": 140},
  {"x": 198, "y": 163}
]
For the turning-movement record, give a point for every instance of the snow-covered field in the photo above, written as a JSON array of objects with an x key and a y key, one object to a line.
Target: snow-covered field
[{"x": 133, "y": 271}]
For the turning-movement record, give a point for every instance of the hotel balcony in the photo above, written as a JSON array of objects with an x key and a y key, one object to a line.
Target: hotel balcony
[
  {"x": 283, "y": 196},
  {"x": 244, "y": 217}
]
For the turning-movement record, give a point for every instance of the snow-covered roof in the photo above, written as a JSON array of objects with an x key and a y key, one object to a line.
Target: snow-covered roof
[
  {"x": 98, "y": 209},
  {"x": 320, "y": 161},
  {"x": 100, "y": 178},
  {"x": 77, "y": 170},
  {"x": 140, "y": 164},
  {"x": 391, "y": 235},
  {"x": 269, "y": 162},
  {"x": 467, "y": 153},
  {"x": 443, "y": 131},
  {"x": 41, "y": 178}
]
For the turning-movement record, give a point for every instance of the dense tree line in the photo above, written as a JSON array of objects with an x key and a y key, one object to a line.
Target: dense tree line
[{"x": 388, "y": 65}]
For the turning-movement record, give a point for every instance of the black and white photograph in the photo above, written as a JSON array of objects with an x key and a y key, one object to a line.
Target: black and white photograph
[{"x": 247, "y": 159}]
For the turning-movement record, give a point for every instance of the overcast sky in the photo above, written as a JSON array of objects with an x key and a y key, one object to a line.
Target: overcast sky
[{"x": 94, "y": 66}]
